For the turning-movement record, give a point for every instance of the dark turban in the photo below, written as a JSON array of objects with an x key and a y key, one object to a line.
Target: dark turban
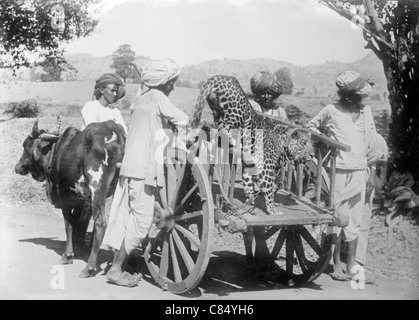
[
  {"x": 263, "y": 83},
  {"x": 106, "y": 79}
]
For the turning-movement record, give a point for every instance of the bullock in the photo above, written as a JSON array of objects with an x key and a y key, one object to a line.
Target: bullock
[{"x": 80, "y": 169}]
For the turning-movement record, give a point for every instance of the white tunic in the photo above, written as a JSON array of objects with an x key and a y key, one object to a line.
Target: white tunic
[{"x": 93, "y": 112}]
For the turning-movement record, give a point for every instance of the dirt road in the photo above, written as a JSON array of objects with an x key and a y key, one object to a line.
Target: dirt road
[{"x": 32, "y": 242}]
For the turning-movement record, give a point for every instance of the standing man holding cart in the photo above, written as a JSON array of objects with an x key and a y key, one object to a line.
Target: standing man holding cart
[
  {"x": 348, "y": 121},
  {"x": 142, "y": 167}
]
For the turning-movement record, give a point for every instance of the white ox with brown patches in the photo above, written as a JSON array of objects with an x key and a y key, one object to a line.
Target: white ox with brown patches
[{"x": 80, "y": 170}]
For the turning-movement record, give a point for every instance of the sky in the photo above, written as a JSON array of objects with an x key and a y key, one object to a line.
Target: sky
[{"x": 301, "y": 32}]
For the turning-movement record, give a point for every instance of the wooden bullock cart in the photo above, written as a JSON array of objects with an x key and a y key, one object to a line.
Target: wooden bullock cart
[{"x": 200, "y": 193}]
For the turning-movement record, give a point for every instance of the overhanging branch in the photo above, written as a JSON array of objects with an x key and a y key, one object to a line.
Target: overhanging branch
[{"x": 371, "y": 33}]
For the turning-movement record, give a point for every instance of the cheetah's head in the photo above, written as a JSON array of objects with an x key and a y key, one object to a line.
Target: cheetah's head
[{"x": 299, "y": 146}]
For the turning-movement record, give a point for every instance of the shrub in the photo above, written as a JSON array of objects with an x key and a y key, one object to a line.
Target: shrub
[{"x": 23, "y": 109}]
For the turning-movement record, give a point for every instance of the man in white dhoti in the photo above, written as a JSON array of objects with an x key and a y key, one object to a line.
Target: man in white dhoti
[{"x": 142, "y": 167}]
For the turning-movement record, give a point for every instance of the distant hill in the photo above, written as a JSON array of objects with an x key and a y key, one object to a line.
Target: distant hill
[
  {"x": 313, "y": 80},
  {"x": 90, "y": 67},
  {"x": 243, "y": 70}
]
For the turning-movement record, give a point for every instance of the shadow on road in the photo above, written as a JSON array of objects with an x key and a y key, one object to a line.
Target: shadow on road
[
  {"x": 58, "y": 247},
  {"x": 227, "y": 272}
]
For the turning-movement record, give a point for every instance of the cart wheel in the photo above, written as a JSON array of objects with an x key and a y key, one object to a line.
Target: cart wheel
[
  {"x": 299, "y": 254},
  {"x": 179, "y": 245}
]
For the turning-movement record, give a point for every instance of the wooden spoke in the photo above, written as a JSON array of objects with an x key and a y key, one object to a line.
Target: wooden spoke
[
  {"x": 187, "y": 216},
  {"x": 278, "y": 244},
  {"x": 289, "y": 251},
  {"x": 175, "y": 263},
  {"x": 180, "y": 172},
  {"x": 183, "y": 251},
  {"x": 311, "y": 241},
  {"x": 268, "y": 234},
  {"x": 193, "y": 239},
  {"x": 185, "y": 198},
  {"x": 164, "y": 262},
  {"x": 299, "y": 250}
]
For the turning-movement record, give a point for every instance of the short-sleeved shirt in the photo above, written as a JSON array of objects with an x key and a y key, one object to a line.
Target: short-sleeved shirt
[
  {"x": 337, "y": 123},
  {"x": 93, "y": 112},
  {"x": 146, "y": 136}
]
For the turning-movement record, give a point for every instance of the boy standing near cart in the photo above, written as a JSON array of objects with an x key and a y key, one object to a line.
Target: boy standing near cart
[{"x": 109, "y": 88}]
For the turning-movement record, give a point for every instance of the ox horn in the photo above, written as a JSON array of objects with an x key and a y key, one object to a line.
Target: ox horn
[{"x": 35, "y": 130}]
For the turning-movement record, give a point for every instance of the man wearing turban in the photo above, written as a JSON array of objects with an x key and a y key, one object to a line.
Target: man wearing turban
[
  {"x": 109, "y": 88},
  {"x": 266, "y": 90},
  {"x": 142, "y": 167},
  {"x": 349, "y": 122}
]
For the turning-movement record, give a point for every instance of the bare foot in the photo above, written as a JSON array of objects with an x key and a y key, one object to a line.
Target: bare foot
[
  {"x": 338, "y": 273},
  {"x": 339, "y": 276},
  {"x": 123, "y": 279}
]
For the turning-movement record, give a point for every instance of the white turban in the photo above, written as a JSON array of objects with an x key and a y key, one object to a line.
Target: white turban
[
  {"x": 352, "y": 82},
  {"x": 159, "y": 72}
]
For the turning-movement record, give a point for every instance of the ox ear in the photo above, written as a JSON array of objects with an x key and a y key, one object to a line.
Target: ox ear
[
  {"x": 35, "y": 130},
  {"x": 41, "y": 149},
  {"x": 45, "y": 147}
]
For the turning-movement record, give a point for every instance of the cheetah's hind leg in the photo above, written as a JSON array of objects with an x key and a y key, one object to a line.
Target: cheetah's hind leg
[{"x": 269, "y": 194}]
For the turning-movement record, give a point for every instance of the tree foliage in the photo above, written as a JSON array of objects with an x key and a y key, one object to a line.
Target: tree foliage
[
  {"x": 122, "y": 59},
  {"x": 52, "y": 70},
  {"x": 391, "y": 29},
  {"x": 284, "y": 76},
  {"x": 33, "y": 30}
]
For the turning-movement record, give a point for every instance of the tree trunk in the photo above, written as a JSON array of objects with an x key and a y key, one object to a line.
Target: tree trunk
[
  {"x": 402, "y": 72},
  {"x": 393, "y": 35}
]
